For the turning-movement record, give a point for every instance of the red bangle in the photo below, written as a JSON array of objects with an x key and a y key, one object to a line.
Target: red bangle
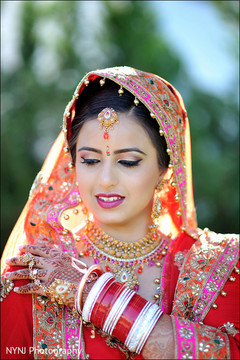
[
  {"x": 114, "y": 298},
  {"x": 128, "y": 317},
  {"x": 94, "y": 314},
  {"x": 102, "y": 305}
]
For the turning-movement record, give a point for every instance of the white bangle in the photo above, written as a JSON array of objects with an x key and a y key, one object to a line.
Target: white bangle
[
  {"x": 93, "y": 295},
  {"x": 117, "y": 310},
  {"x": 156, "y": 316},
  {"x": 142, "y": 327}
]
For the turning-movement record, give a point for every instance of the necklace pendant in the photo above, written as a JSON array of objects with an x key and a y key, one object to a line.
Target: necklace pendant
[{"x": 126, "y": 275}]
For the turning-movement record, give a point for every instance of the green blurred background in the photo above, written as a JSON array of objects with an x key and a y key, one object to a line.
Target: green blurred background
[{"x": 47, "y": 46}]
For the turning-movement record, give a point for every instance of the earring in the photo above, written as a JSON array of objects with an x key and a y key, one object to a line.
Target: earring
[{"x": 157, "y": 207}]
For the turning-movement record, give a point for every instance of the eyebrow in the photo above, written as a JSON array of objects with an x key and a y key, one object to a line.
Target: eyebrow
[
  {"x": 129, "y": 150},
  {"x": 120, "y": 151},
  {"x": 90, "y": 149}
]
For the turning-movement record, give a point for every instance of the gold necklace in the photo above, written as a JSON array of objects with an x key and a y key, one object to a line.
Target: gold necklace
[{"x": 125, "y": 260}]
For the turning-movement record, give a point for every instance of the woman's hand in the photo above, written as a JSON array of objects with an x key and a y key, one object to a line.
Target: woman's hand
[{"x": 48, "y": 264}]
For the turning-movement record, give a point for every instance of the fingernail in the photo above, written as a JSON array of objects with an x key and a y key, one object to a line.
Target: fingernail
[
  {"x": 20, "y": 246},
  {"x": 6, "y": 275},
  {"x": 16, "y": 289}
]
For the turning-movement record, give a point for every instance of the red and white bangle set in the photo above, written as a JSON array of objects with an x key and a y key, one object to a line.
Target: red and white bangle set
[{"x": 118, "y": 310}]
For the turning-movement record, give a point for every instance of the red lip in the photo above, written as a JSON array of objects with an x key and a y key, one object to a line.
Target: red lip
[{"x": 109, "y": 204}]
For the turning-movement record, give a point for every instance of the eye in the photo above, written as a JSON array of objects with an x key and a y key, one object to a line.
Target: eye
[
  {"x": 89, "y": 161},
  {"x": 129, "y": 163}
]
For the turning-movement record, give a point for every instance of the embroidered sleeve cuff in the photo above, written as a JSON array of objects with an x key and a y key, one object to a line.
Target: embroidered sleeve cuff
[{"x": 195, "y": 341}]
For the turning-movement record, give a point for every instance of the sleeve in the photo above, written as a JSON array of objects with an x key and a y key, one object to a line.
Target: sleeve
[
  {"x": 217, "y": 336},
  {"x": 197, "y": 341},
  {"x": 16, "y": 323}
]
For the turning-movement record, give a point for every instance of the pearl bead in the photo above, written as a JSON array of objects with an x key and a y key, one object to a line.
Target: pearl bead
[
  {"x": 121, "y": 91},
  {"x": 136, "y": 101},
  {"x": 158, "y": 264},
  {"x": 156, "y": 296},
  {"x": 223, "y": 293},
  {"x": 236, "y": 270},
  {"x": 66, "y": 217},
  {"x": 86, "y": 82},
  {"x": 214, "y": 306},
  {"x": 157, "y": 281},
  {"x": 232, "y": 278}
]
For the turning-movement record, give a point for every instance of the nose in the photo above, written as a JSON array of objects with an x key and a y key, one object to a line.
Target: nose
[{"x": 107, "y": 176}]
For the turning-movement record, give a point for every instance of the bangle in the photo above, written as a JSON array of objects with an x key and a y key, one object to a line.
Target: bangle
[
  {"x": 93, "y": 294},
  {"x": 95, "y": 269},
  {"x": 128, "y": 317},
  {"x": 117, "y": 309},
  {"x": 117, "y": 293},
  {"x": 120, "y": 312},
  {"x": 142, "y": 327},
  {"x": 103, "y": 302}
]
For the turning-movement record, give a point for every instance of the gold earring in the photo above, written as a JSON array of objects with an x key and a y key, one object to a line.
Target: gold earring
[{"x": 157, "y": 206}]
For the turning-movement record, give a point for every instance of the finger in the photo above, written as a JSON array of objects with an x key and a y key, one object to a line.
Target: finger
[
  {"x": 30, "y": 288},
  {"x": 19, "y": 261},
  {"x": 41, "y": 250},
  {"x": 25, "y": 274}
]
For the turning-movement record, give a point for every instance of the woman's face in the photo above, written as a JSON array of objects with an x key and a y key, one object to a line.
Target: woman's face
[{"x": 117, "y": 176}]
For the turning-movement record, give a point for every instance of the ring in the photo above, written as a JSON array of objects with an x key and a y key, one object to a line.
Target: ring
[
  {"x": 26, "y": 258},
  {"x": 33, "y": 274}
]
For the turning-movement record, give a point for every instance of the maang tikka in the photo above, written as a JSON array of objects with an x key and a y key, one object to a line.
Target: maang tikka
[{"x": 107, "y": 118}]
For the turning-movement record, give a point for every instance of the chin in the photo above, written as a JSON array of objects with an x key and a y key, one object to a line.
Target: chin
[{"x": 110, "y": 219}]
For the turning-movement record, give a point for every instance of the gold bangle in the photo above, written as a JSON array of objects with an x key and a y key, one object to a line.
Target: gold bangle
[{"x": 98, "y": 270}]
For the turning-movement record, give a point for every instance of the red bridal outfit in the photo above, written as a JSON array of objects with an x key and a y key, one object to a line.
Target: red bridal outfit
[{"x": 198, "y": 282}]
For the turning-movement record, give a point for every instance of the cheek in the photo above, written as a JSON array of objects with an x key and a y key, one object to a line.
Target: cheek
[
  {"x": 83, "y": 179},
  {"x": 146, "y": 179}
]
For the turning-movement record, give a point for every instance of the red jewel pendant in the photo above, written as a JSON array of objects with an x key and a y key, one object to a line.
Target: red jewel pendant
[{"x": 106, "y": 135}]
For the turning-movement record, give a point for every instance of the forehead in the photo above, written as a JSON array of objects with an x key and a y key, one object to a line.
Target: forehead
[{"x": 127, "y": 132}]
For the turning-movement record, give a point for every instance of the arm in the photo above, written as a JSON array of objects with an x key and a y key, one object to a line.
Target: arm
[{"x": 172, "y": 337}]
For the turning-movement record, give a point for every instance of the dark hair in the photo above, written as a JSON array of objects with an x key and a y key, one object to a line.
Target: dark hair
[{"x": 95, "y": 98}]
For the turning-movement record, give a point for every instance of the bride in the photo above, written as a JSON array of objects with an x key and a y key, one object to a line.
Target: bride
[{"x": 111, "y": 263}]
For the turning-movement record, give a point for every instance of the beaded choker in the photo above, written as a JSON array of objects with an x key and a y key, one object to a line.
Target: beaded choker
[{"x": 125, "y": 260}]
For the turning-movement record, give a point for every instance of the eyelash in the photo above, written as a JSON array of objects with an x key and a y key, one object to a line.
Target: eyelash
[
  {"x": 127, "y": 163},
  {"x": 89, "y": 161}
]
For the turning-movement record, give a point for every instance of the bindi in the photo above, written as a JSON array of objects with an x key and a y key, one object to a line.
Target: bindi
[{"x": 108, "y": 151}]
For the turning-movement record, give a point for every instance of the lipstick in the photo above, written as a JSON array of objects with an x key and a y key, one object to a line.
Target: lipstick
[{"x": 109, "y": 201}]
